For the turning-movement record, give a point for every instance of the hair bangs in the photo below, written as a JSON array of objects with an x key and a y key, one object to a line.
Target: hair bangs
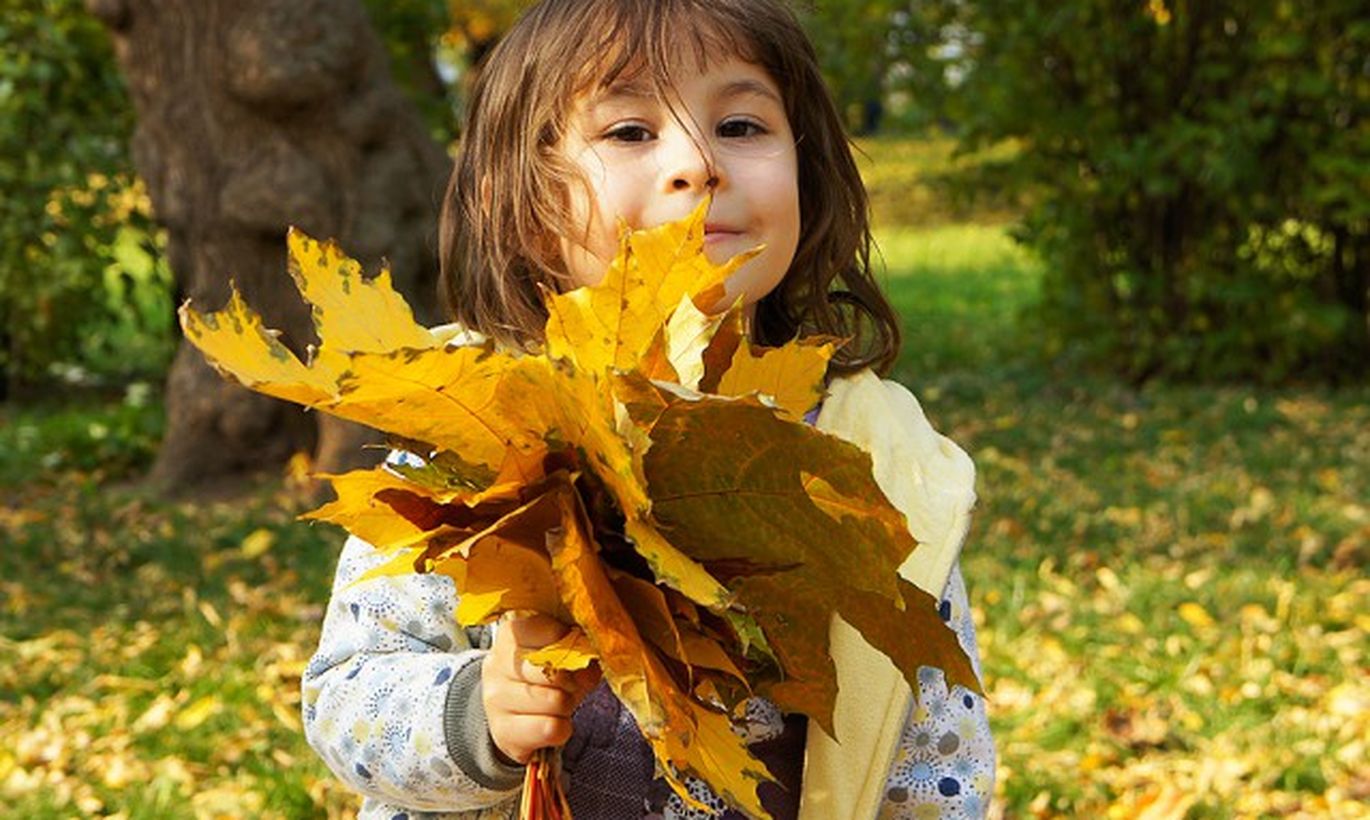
[{"x": 653, "y": 39}]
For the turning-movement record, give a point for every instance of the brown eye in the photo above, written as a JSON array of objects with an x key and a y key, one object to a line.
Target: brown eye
[
  {"x": 629, "y": 133},
  {"x": 740, "y": 129}
]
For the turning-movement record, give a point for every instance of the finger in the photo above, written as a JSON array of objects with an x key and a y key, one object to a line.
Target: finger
[
  {"x": 536, "y": 631},
  {"x": 545, "y": 676},
  {"x": 506, "y": 660},
  {"x": 521, "y": 735},
  {"x": 516, "y": 698}
]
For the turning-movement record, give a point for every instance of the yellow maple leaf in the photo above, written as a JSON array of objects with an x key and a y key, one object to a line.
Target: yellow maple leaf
[
  {"x": 645, "y": 479},
  {"x": 351, "y": 312},
  {"x": 611, "y": 325},
  {"x": 571, "y": 652},
  {"x": 259, "y": 360},
  {"x": 790, "y": 377}
]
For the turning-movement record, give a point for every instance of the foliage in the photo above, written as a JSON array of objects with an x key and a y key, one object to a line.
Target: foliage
[
  {"x": 475, "y": 25},
  {"x": 853, "y": 44},
  {"x": 882, "y": 60},
  {"x": 1168, "y": 585},
  {"x": 77, "y": 282},
  {"x": 472, "y": 29},
  {"x": 656, "y": 431},
  {"x": 1199, "y": 172},
  {"x": 109, "y": 436},
  {"x": 411, "y": 30}
]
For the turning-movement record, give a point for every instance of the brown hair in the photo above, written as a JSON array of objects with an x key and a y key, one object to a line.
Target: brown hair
[{"x": 506, "y": 200}]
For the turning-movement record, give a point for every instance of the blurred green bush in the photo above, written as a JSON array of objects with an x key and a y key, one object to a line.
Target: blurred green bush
[
  {"x": 80, "y": 273},
  {"x": 1199, "y": 172}
]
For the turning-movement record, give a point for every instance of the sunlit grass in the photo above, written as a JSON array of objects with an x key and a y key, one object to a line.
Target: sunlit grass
[
  {"x": 152, "y": 662},
  {"x": 960, "y": 291},
  {"x": 1169, "y": 583},
  {"x": 909, "y": 183}
]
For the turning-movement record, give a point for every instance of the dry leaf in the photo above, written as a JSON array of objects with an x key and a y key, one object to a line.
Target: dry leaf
[{"x": 646, "y": 479}]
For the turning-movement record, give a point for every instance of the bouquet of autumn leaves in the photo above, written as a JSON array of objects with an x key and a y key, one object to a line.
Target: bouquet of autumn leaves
[{"x": 646, "y": 477}]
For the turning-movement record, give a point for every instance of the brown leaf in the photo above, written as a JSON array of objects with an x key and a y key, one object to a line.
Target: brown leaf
[
  {"x": 745, "y": 492},
  {"x": 682, "y": 732}
]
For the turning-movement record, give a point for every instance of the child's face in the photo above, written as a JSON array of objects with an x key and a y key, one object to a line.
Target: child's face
[{"x": 648, "y": 161}]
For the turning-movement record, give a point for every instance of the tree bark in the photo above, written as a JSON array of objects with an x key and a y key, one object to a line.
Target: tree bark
[{"x": 254, "y": 115}]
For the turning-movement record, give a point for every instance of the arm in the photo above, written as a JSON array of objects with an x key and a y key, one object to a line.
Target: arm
[
  {"x": 946, "y": 754},
  {"x": 391, "y": 697}
]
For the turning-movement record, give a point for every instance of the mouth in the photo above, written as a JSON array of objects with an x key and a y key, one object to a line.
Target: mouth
[{"x": 719, "y": 233}]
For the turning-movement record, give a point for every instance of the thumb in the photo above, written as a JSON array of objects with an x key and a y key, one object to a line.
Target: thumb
[{"x": 536, "y": 630}]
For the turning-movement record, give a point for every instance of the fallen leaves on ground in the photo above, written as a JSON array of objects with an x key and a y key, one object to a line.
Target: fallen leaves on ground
[
  {"x": 1168, "y": 620},
  {"x": 1103, "y": 509}
]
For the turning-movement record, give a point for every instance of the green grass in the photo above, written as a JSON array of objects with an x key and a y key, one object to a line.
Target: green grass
[
  {"x": 960, "y": 290},
  {"x": 1170, "y": 579},
  {"x": 1169, "y": 583},
  {"x": 151, "y": 662}
]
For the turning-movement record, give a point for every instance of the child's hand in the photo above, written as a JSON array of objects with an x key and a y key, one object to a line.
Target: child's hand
[{"x": 525, "y": 707}]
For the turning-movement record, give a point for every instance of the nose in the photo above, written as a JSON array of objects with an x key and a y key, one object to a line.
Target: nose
[
  {"x": 689, "y": 164},
  {"x": 683, "y": 184}
]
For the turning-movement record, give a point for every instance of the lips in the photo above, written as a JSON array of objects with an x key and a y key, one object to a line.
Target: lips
[{"x": 718, "y": 233}]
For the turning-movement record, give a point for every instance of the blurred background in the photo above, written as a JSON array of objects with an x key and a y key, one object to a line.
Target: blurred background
[{"x": 1130, "y": 243}]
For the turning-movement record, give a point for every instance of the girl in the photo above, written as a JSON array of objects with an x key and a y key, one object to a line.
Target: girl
[{"x": 590, "y": 112}]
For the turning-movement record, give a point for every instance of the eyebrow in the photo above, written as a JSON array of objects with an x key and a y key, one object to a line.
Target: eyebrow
[
  {"x": 631, "y": 90},
  {"x": 740, "y": 88}
]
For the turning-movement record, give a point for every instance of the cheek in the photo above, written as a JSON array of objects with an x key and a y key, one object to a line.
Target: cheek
[
  {"x": 584, "y": 192},
  {"x": 775, "y": 186},
  {"x": 587, "y": 251}
]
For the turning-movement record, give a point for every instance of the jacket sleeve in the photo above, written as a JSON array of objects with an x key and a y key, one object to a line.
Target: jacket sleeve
[
  {"x": 944, "y": 766},
  {"x": 376, "y": 694}
]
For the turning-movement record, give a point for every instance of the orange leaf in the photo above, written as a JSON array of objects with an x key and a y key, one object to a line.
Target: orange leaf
[{"x": 682, "y": 732}]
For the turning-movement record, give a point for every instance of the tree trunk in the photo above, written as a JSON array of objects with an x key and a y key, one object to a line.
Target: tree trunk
[{"x": 255, "y": 115}]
